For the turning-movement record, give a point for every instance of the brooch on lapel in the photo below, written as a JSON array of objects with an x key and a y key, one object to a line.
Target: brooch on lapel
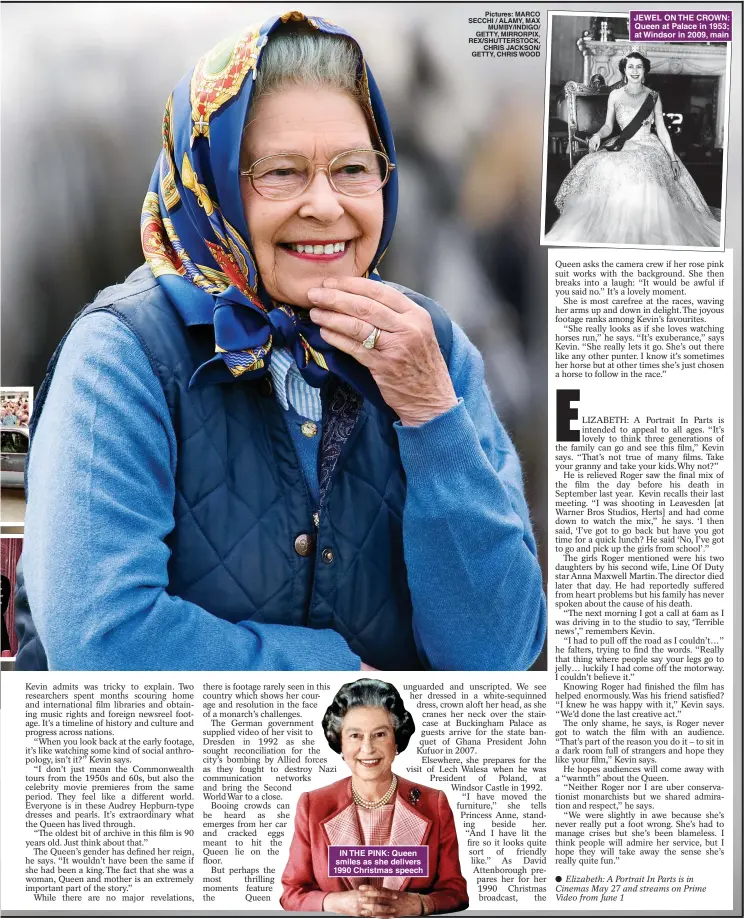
[{"x": 413, "y": 796}]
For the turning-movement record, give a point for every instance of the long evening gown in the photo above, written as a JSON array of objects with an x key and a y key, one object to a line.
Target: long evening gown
[{"x": 632, "y": 196}]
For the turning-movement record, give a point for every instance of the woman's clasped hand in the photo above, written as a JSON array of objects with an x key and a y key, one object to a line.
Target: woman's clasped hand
[
  {"x": 406, "y": 362},
  {"x": 373, "y": 901}
]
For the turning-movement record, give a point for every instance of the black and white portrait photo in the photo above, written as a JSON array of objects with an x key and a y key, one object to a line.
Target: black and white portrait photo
[{"x": 635, "y": 138}]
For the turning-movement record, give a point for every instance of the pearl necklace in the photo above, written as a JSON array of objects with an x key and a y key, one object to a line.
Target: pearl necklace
[
  {"x": 640, "y": 91},
  {"x": 373, "y": 804}
]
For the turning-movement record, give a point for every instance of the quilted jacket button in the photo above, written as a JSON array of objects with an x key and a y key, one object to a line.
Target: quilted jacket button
[
  {"x": 328, "y": 556},
  {"x": 304, "y": 544}
]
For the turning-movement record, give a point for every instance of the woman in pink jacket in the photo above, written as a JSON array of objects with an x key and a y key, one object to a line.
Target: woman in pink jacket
[{"x": 368, "y": 725}]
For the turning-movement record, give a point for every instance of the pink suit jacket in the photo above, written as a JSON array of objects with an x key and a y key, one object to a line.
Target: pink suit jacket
[{"x": 327, "y": 817}]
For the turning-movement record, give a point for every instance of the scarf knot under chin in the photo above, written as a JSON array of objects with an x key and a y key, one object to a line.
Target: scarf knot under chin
[{"x": 246, "y": 336}]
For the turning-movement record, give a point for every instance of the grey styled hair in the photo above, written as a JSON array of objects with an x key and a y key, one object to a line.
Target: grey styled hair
[
  {"x": 368, "y": 693},
  {"x": 299, "y": 55}
]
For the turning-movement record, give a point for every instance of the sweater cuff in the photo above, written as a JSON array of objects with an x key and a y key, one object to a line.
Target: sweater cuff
[
  {"x": 447, "y": 443},
  {"x": 337, "y": 656},
  {"x": 302, "y": 648}
]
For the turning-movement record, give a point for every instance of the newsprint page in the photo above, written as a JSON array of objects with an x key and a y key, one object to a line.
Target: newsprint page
[{"x": 371, "y": 459}]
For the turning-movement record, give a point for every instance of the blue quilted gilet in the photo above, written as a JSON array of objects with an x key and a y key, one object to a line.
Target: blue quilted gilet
[{"x": 242, "y": 501}]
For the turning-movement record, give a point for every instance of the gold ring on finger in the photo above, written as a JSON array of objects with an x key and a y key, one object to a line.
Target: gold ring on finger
[{"x": 370, "y": 341}]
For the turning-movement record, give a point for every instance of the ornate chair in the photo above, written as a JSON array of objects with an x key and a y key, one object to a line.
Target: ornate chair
[{"x": 586, "y": 106}]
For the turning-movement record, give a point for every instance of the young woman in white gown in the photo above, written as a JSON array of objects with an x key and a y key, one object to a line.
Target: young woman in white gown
[{"x": 640, "y": 192}]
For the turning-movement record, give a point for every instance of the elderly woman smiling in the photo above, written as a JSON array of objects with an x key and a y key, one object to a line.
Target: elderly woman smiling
[
  {"x": 279, "y": 461},
  {"x": 367, "y": 723}
]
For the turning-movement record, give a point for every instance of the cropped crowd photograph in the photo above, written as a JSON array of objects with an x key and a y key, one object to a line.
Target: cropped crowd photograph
[
  {"x": 10, "y": 552},
  {"x": 635, "y": 140},
  {"x": 286, "y": 339},
  {"x": 15, "y": 413}
]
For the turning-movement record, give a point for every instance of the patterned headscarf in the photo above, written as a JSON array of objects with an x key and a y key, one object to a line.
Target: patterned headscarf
[{"x": 194, "y": 232}]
